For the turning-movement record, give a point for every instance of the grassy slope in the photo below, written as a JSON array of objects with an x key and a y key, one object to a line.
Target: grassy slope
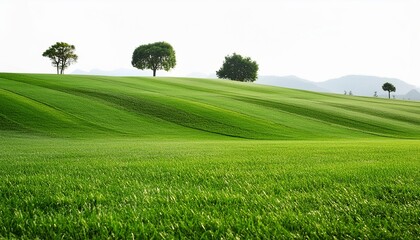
[
  {"x": 100, "y": 157},
  {"x": 83, "y": 106}
]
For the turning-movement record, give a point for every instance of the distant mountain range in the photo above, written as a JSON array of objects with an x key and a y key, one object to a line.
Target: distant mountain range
[
  {"x": 359, "y": 85},
  {"x": 291, "y": 82}
]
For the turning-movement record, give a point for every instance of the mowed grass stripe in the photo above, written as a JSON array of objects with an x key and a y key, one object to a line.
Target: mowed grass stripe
[
  {"x": 322, "y": 114},
  {"x": 37, "y": 106},
  {"x": 88, "y": 112}
]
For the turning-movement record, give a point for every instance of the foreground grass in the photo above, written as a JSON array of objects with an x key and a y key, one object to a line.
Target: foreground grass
[{"x": 209, "y": 189}]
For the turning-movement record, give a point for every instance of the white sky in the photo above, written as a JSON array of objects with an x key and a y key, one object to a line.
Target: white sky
[{"x": 314, "y": 39}]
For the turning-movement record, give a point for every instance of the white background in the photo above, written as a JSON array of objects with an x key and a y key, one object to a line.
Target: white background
[{"x": 313, "y": 39}]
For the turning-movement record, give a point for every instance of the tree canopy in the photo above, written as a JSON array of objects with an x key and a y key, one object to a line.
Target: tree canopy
[
  {"x": 238, "y": 68},
  {"x": 61, "y": 55},
  {"x": 154, "y": 56},
  {"x": 389, "y": 87}
]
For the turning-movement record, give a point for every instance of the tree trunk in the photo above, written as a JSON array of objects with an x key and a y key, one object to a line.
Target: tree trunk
[
  {"x": 154, "y": 72},
  {"x": 389, "y": 94},
  {"x": 58, "y": 70}
]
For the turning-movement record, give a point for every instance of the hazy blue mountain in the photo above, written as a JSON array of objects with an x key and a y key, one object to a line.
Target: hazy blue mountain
[
  {"x": 290, "y": 82},
  {"x": 364, "y": 85},
  {"x": 412, "y": 95}
]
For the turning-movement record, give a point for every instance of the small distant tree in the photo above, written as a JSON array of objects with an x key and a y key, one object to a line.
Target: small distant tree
[
  {"x": 350, "y": 93},
  {"x": 345, "y": 92},
  {"x": 238, "y": 68},
  {"x": 389, "y": 88},
  {"x": 61, "y": 55},
  {"x": 154, "y": 56},
  {"x": 375, "y": 94}
]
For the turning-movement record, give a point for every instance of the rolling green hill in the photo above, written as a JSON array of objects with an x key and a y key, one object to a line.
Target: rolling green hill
[
  {"x": 90, "y": 157},
  {"x": 166, "y": 108}
]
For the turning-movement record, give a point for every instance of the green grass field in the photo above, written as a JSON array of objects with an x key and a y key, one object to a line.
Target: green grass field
[{"x": 125, "y": 157}]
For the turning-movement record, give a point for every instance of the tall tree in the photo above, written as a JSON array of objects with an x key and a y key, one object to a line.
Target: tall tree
[
  {"x": 389, "y": 87},
  {"x": 238, "y": 68},
  {"x": 154, "y": 56},
  {"x": 62, "y": 55}
]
